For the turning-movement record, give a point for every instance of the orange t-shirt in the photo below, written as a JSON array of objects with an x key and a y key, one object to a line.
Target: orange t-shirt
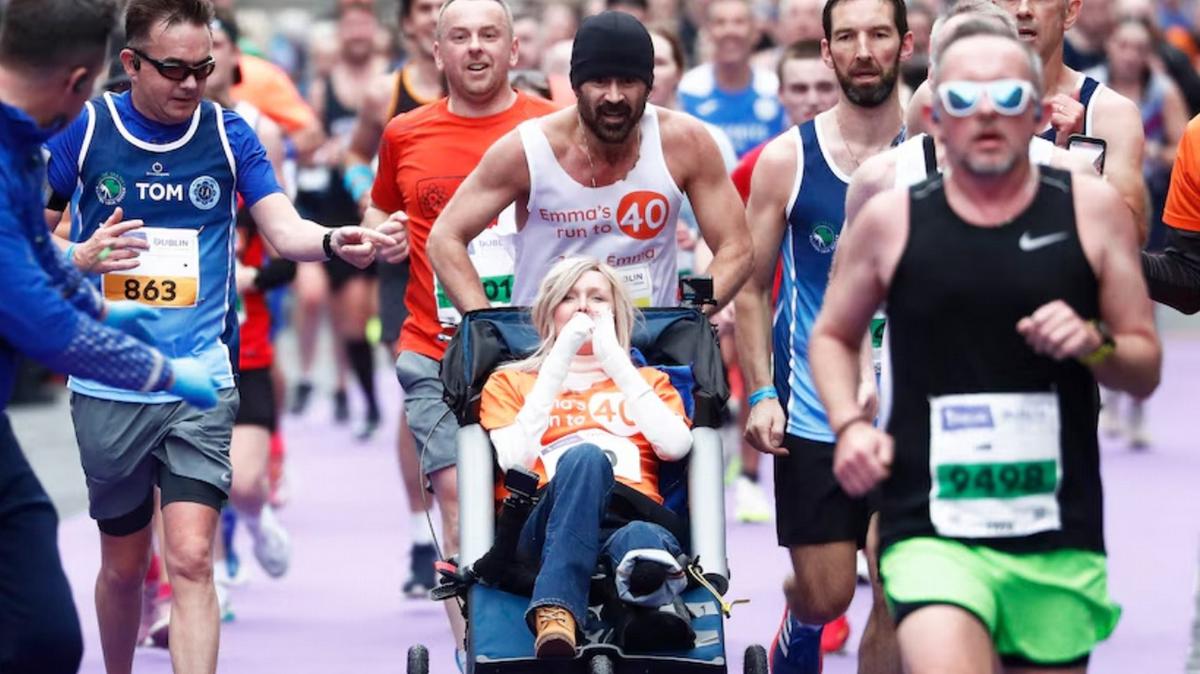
[
  {"x": 424, "y": 156},
  {"x": 267, "y": 87},
  {"x": 596, "y": 415},
  {"x": 1182, "y": 210}
]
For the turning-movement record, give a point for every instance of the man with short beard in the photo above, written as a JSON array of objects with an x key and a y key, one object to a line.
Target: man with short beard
[
  {"x": 796, "y": 210},
  {"x": 603, "y": 178}
]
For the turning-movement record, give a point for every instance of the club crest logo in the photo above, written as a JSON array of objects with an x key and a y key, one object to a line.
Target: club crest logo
[
  {"x": 823, "y": 238},
  {"x": 110, "y": 189},
  {"x": 204, "y": 192}
]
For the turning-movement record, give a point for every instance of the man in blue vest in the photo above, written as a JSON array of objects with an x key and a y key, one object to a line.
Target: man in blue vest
[
  {"x": 51, "y": 52},
  {"x": 178, "y": 164}
]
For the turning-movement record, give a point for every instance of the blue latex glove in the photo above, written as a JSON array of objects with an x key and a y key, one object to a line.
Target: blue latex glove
[
  {"x": 192, "y": 381},
  {"x": 131, "y": 318}
]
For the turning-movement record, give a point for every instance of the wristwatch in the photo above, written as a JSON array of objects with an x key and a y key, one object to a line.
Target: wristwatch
[
  {"x": 1107, "y": 347},
  {"x": 327, "y": 244}
]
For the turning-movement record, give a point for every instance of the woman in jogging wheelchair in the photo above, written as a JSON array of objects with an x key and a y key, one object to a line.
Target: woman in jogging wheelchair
[{"x": 594, "y": 427}]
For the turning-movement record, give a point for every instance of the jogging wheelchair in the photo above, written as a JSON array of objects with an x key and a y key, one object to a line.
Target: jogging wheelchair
[{"x": 682, "y": 343}]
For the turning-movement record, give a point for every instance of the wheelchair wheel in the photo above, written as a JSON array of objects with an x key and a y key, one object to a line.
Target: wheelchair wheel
[
  {"x": 755, "y": 661},
  {"x": 601, "y": 664},
  {"x": 418, "y": 660}
]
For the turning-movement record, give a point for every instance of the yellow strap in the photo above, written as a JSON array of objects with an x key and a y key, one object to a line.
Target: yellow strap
[{"x": 726, "y": 607}]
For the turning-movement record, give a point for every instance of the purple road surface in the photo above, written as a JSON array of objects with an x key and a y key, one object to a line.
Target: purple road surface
[{"x": 340, "y": 608}]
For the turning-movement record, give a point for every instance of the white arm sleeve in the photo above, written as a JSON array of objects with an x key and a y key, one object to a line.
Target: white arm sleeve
[
  {"x": 667, "y": 432},
  {"x": 519, "y": 443}
]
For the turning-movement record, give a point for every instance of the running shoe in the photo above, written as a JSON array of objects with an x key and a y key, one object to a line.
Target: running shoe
[
  {"x": 1139, "y": 436},
  {"x": 369, "y": 426},
  {"x": 1110, "y": 424},
  {"x": 796, "y": 648},
  {"x": 224, "y": 603},
  {"x": 272, "y": 545},
  {"x": 341, "y": 407},
  {"x": 420, "y": 571},
  {"x": 752, "y": 503},
  {"x": 300, "y": 397},
  {"x": 835, "y": 635}
]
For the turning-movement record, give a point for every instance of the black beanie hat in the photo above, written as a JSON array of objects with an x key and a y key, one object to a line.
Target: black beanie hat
[{"x": 612, "y": 44}]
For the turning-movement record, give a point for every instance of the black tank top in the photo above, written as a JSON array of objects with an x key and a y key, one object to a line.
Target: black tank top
[
  {"x": 404, "y": 99},
  {"x": 336, "y": 206},
  {"x": 957, "y": 295}
]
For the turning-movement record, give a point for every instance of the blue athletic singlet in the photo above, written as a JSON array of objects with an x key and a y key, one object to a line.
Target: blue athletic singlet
[
  {"x": 186, "y": 193},
  {"x": 815, "y": 214},
  {"x": 1087, "y": 90}
]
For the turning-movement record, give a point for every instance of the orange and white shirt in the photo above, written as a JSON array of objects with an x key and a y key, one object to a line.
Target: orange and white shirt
[
  {"x": 595, "y": 415},
  {"x": 629, "y": 225}
]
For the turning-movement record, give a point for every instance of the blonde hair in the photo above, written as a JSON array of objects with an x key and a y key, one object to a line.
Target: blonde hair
[{"x": 561, "y": 278}]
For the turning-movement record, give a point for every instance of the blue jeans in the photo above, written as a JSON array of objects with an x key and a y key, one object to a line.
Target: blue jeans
[{"x": 566, "y": 531}]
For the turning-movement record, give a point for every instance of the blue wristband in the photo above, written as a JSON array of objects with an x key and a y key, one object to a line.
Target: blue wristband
[
  {"x": 762, "y": 394},
  {"x": 69, "y": 253},
  {"x": 358, "y": 180}
]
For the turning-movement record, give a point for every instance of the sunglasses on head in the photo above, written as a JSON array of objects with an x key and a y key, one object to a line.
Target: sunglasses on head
[
  {"x": 1009, "y": 97},
  {"x": 174, "y": 70}
]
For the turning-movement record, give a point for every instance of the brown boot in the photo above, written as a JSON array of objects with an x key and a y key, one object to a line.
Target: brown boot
[{"x": 555, "y": 632}]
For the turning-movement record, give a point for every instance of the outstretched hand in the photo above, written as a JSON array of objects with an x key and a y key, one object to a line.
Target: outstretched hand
[{"x": 357, "y": 245}]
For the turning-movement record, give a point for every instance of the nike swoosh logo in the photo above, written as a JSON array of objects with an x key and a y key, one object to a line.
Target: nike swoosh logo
[{"x": 1030, "y": 243}]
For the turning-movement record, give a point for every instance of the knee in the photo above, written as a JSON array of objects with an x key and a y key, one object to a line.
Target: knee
[
  {"x": 124, "y": 575},
  {"x": 190, "y": 560},
  {"x": 818, "y": 601},
  {"x": 588, "y": 460}
]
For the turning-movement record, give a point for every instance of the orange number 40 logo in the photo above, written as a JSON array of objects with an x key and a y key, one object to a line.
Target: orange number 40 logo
[{"x": 642, "y": 214}]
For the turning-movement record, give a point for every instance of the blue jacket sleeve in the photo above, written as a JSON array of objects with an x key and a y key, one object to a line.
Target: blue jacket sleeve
[{"x": 37, "y": 321}]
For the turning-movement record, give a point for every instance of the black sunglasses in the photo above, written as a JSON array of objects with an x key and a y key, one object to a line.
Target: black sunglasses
[{"x": 174, "y": 70}]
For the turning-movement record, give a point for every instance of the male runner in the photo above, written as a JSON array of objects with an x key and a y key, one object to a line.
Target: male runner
[
  {"x": 258, "y": 270},
  {"x": 343, "y": 289},
  {"x": 920, "y": 156},
  {"x": 602, "y": 178},
  {"x": 807, "y": 87},
  {"x": 1079, "y": 104},
  {"x": 424, "y": 157},
  {"x": 51, "y": 52},
  {"x": 730, "y": 92},
  {"x": 177, "y": 163},
  {"x": 797, "y": 201},
  {"x": 1012, "y": 290},
  {"x": 417, "y": 82}
]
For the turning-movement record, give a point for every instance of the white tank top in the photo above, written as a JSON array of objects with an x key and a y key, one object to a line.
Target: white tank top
[
  {"x": 629, "y": 225},
  {"x": 913, "y": 164}
]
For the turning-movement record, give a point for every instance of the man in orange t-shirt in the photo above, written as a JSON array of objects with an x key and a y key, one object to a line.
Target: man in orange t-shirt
[
  {"x": 424, "y": 156},
  {"x": 1173, "y": 275}
]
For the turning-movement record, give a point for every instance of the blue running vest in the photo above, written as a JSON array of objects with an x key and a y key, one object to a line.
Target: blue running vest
[
  {"x": 186, "y": 184},
  {"x": 814, "y": 223}
]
